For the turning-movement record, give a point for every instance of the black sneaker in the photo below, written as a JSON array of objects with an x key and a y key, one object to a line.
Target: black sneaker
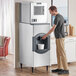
[
  {"x": 63, "y": 72},
  {"x": 56, "y": 70}
]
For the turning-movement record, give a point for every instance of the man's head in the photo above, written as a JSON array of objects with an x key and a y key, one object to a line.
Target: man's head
[{"x": 53, "y": 10}]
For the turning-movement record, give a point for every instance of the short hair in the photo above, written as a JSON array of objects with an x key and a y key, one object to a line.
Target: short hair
[{"x": 53, "y": 8}]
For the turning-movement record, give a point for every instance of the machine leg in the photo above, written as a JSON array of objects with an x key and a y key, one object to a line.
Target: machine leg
[
  {"x": 21, "y": 65},
  {"x": 32, "y": 69},
  {"x": 47, "y": 68}
]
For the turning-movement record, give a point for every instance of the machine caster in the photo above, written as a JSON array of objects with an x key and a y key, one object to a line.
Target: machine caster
[
  {"x": 21, "y": 65},
  {"x": 32, "y": 69},
  {"x": 47, "y": 68}
]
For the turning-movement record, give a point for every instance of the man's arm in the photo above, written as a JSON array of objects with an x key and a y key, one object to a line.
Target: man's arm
[{"x": 52, "y": 29}]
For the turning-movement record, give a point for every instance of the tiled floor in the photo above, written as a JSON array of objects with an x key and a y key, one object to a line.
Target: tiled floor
[{"x": 7, "y": 69}]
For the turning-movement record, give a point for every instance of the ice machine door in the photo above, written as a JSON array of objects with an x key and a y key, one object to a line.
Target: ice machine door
[{"x": 38, "y": 12}]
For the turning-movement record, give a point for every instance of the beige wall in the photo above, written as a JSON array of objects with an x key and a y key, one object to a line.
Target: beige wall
[
  {"x": 17, "y": 23},
  {"x": 72, "y": 13},
  {"x": 16, "y": 35}
]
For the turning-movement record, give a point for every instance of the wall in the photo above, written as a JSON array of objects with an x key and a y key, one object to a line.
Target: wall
[
  {"x": 16, "y": 26},
  {"x": 16, "y": 36},
  {"x": 72, "y": 13}
]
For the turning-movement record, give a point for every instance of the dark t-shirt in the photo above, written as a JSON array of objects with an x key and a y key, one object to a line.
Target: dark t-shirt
[{"x": 59, "y": 30}]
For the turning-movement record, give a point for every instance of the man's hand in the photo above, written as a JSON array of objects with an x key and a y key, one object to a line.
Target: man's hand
[
  {"x": 53, "y": 28},
  {"x": 44, "y": 37}
]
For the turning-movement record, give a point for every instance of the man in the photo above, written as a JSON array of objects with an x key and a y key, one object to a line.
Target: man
[{"x": 58, "y": 29}]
